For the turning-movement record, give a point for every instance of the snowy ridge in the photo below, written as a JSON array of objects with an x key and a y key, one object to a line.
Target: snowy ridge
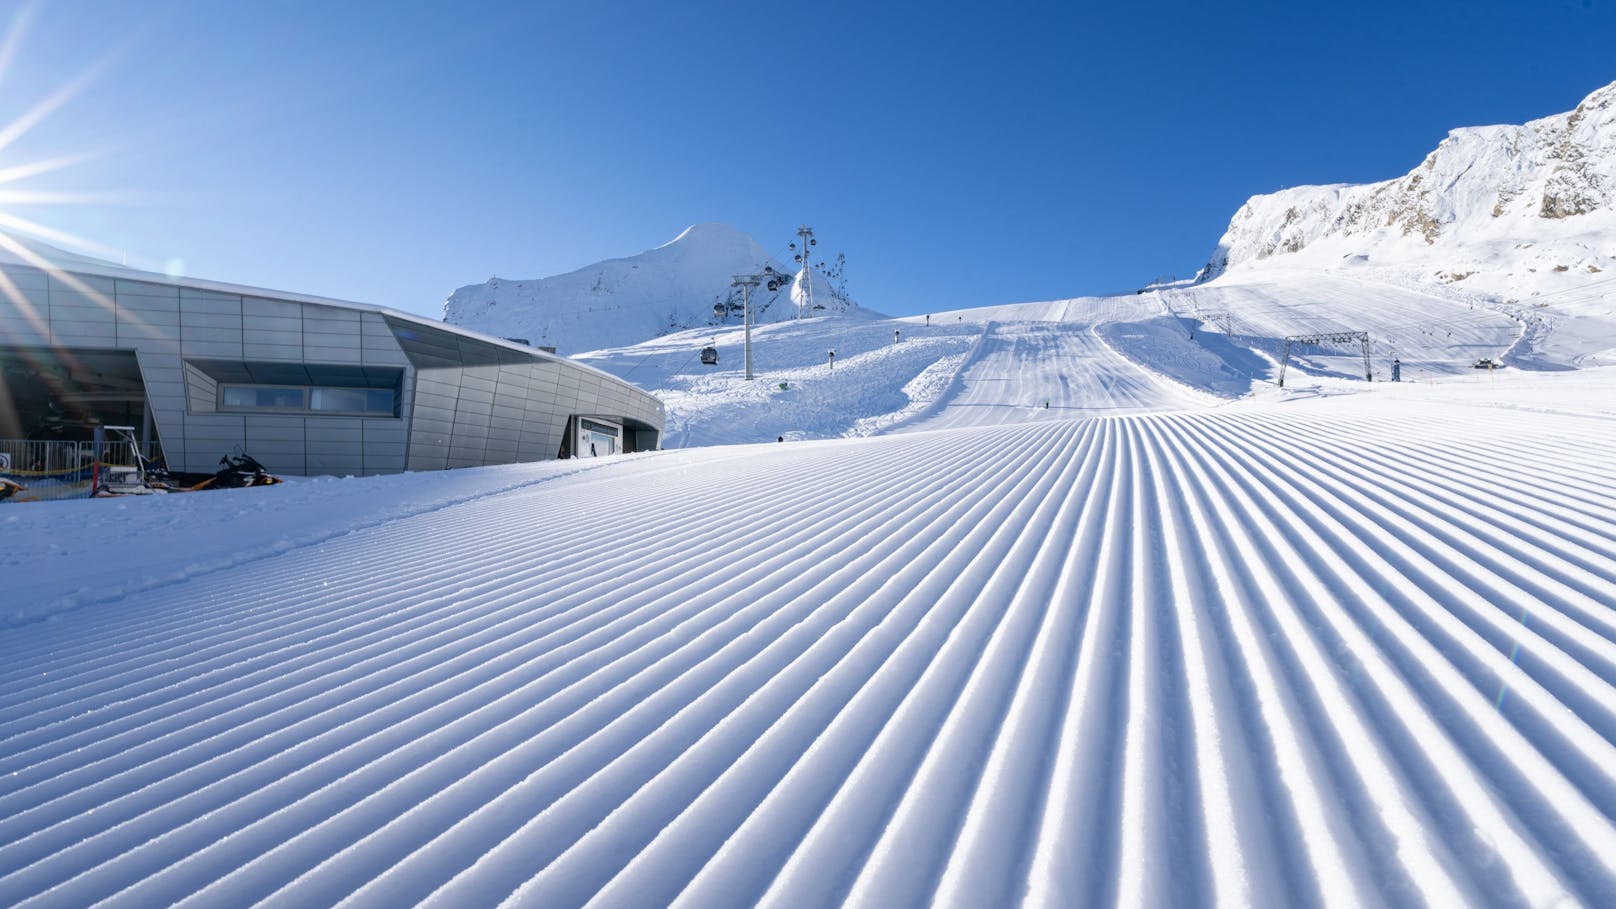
[
  {"x": 1278, "y": 653},
  {"x": 1509, "y": 209},
  {"x": 623, "y": 301}
]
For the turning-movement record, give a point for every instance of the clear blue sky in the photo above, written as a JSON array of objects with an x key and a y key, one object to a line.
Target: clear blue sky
[{"x": 959, "y": 155}]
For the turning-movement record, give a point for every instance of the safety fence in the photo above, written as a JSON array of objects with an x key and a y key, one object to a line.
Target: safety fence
[{"x": 36, "y": 471}]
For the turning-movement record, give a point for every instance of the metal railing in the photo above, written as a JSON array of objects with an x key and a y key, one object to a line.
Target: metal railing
[{"x": 64, "y": 470}]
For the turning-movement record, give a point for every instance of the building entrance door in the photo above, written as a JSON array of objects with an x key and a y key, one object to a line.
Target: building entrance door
[{"x": 597, "y": 439}]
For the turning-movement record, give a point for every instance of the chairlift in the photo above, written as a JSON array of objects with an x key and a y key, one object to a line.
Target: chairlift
[{"x": 709, "y": 356}]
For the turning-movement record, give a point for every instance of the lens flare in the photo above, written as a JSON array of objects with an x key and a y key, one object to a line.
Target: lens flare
[{"x": 12, "y": 225}]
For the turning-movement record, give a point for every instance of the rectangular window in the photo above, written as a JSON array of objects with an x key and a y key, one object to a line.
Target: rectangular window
[
  {"x": 368, "y": 401},
  {"x": 258, "y": 397},
  {"x": 352, "y": 400}
]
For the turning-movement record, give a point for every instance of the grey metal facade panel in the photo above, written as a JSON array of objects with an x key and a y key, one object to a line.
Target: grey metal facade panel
[
  {"x": 31, "y": 307},
  {"x": 257, "y": 337},
  {"x": 210, "y": 310},
  {"x": 67, "y": 333},
  {"x": 150, "y": 310},
  {"x": 334, "y": 429},
  {"x": 325, "y": 353},
  {"x": 79, "y": 308},
  {"x": 264, "y": 307},
  {"x": 209, "y": 325},
  {"x": 336, "y": 315},
  {"x": 281, "y": 428},
  {"x": 221, "y": 349},
  {"x": 153, "y": 327},
  {"x": 389, "y": 432},
  {"x": 80, "y": 282},
  {"x": 124, "y": 289},
  {"x": 280, "y": 324},
  {"x": 251, "y": 351},
  {"x": 201, "y": 391},
  {"x": 27, "y": 279},
  {"x": 214, "y": 429}
]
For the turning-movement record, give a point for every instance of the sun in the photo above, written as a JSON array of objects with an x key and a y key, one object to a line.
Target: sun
[{"x": 16, "y": 196}]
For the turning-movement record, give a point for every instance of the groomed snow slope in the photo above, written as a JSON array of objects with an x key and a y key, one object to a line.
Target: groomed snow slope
[
  {"x": 1019, "y": 372},
  {"x": 1332, "y": 651},
  {"x": 1164, "y": 349}
]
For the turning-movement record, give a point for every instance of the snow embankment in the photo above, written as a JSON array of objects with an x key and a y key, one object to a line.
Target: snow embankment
[{"x": 1339, "y": 651}]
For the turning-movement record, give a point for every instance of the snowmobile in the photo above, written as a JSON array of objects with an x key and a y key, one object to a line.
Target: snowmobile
[
  {"x": 236, "y": 471},
  {"x": 240, "y": 471}
]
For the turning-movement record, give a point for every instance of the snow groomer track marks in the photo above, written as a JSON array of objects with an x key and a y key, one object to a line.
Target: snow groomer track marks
[{"x": 1298, "y": 654}]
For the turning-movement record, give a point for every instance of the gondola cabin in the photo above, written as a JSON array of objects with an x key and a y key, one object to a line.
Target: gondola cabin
[{"x": 709, "y": 356}]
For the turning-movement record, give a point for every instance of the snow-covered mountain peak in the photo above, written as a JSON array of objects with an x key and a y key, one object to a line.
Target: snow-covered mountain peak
[
  {"x": 1497, "y": 202},
  {"x": 617, "y": 302},
  {"x": 708, "y": 232}
]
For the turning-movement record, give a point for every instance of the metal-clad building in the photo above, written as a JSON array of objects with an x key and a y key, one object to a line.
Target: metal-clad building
[{"x": 306, "y": 385}]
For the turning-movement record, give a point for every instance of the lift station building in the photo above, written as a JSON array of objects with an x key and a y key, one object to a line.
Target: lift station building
[{"x": 308, "y": 386}]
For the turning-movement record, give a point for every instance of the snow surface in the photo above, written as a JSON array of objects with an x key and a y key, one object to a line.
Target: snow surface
[
  {"x": 1310, "y": 649},
  {"x": 620, "y": 301},
  {"x": 1173, "y": 348}
]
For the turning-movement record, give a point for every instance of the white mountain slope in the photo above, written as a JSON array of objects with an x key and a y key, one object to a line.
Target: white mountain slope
[
  {"x": 1511, "y": 211},
  {"x": 622, "y": 301},
  {"x": 1183, "y": 347},
  {"x": 1330, "y": 651}
]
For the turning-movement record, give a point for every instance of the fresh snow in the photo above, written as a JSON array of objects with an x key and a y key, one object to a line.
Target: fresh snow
[{"x": 1322, "y": 648}]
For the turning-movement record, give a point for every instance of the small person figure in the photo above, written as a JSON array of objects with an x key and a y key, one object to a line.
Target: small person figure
[
  {"x": 780, "y": 438},
  {"x": 1046, "y": 405},
  {"x": 1397, "y": 370},
  {"x": 895, "y": 336},
  {"x": 928, "y": 320}
]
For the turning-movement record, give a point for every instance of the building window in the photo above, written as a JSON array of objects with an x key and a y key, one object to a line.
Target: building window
[
  {"x": 352, "y": 400},
  {"x": 259, "y": 397},
  {"x": 376, "y": 402}
]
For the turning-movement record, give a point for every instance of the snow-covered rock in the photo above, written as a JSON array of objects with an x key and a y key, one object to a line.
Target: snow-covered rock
[
  {"x": 673, "y": 287},
  {"x": 1512, "y": 210}
]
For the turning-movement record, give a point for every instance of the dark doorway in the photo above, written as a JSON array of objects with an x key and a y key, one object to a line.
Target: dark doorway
[{"x": 64, "y": 392}]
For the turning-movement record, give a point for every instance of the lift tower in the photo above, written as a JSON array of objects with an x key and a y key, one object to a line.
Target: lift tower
[{"x": 805, "y": 235}]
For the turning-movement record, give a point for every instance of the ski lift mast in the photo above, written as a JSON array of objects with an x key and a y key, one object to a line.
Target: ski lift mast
[
  {"x": 806, "y": 235},
  {"x": 746, "y": 282}
]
